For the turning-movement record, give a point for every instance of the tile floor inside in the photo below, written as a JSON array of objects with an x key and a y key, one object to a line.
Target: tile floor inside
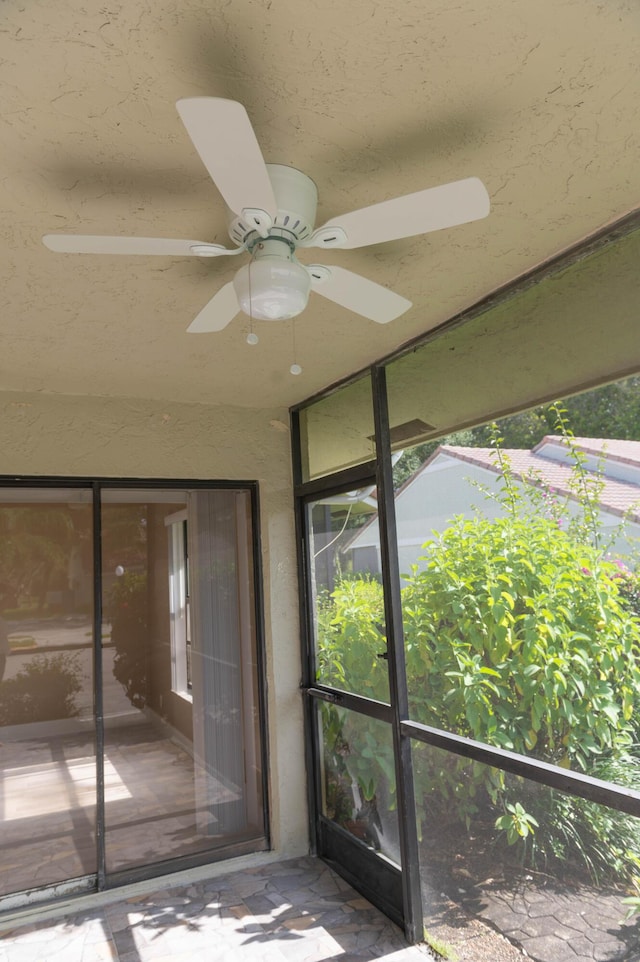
[{"x": 47, "y": 804}]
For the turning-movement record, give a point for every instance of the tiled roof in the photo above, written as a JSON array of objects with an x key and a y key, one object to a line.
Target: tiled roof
[
  {"x": 626, "y": 451},
  {"x": 617, "y": 497}
]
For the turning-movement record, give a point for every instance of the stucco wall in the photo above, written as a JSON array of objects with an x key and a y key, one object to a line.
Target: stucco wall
[{"x": 53, "y": 435}]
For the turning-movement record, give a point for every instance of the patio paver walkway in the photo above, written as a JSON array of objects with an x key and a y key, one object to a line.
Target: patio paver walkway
[{"x": 299, "y": 910}]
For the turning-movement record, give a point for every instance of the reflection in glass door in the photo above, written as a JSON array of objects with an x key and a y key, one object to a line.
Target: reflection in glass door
[{"x": 47, "y": 742}]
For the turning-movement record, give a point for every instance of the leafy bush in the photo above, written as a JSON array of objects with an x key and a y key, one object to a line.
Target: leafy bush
[
  {"x": 44, "y": 690},
  {"x": 605, "y": 841},
  {"x": 629, "y": 587},
  {"x": 540, "y": 654},
  {"x": 351, "y": 638}
]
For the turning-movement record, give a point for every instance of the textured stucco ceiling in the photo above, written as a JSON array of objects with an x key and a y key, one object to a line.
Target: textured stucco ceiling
[{"x": 371, "y": 99}]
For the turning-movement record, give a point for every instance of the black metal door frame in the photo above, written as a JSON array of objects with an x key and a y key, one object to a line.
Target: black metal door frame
[{"x": 397, "y": 891}]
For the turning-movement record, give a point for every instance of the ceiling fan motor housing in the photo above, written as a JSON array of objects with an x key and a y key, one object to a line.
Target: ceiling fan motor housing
[{"x": 297, "y": 199}]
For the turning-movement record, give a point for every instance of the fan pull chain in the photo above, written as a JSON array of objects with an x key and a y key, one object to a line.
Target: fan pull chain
[
  {"x": 295, "y": 367},
  {"x": 252, "y": 337}
]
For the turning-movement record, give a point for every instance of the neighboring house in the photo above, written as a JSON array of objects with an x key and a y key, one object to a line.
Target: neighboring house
[{"x": 463, "y": 481}]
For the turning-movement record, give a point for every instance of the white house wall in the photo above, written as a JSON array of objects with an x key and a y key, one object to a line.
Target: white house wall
[
  {"x": 430, "y": 502},
  {"x": 450, "y": 487}
]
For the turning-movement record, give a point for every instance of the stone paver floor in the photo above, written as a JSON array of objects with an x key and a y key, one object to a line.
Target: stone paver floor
[
  {"x": 296, "y": 910},
  {"x": 549, "y": 921},
  {"x": 299, "y": 910}
]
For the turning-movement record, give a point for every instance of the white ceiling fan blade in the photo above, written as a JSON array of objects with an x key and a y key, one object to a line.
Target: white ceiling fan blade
[
  {"x": 101, "y": 244},
  {"x": 357, "y": 293},
  {"x": 427, "y": 210},
  {"x": 214, "y": 316},
  {"x": 223, "y": 136}
]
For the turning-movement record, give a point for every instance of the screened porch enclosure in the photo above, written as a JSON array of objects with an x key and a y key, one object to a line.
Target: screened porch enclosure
[{"x": 472, "y": 633}]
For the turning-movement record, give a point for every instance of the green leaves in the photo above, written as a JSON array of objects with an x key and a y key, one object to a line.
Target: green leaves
[
  {"x": 521, "y": 634},
  {"x": 634, "y": 906},
  {"x": 516, "y": 823},
  {"x": 350, "y": 638}
]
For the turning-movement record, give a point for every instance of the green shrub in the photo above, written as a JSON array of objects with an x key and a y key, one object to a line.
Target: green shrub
[
  {"x": 629, "y": 587},
  {"x": 540, "y": 653},
  {"x": 605, "y": 841},
  {"x": 350, "y": 625},
  {"x": 516, "y": 636},
  {"x": 44, "y": 690},
  {"x": 519, "y": 634}
]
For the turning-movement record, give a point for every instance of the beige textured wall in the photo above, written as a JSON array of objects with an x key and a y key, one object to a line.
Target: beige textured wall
[{"x": 44, "y": 434}]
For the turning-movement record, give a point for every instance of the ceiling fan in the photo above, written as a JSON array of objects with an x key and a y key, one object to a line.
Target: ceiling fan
[{"x": 271, "y": 212}]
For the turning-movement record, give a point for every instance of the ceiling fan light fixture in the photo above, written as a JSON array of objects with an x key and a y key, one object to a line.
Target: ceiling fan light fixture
[{"x": 272, "y": 289}]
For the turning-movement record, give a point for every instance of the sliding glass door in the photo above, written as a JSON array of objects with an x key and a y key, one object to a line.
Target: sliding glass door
[{"x": 144, "y": 747}]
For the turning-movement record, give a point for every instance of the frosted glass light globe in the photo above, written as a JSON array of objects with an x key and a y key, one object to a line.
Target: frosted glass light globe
[{"x": 272, "y": 288}]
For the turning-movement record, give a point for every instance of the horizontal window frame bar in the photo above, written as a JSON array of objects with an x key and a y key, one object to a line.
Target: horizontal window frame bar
[
  {"x": 357, "y": 703},
  {"x": 54, "y": 481},
  {"x": 357, "y": 476},
  {"x": 580, "y": 785},
  {"x": 592, "y": 789}
]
